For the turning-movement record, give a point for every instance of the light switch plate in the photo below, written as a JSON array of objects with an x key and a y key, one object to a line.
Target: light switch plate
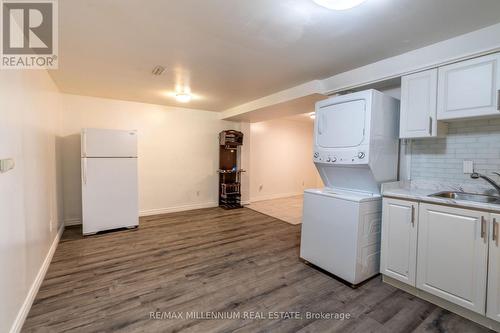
[
  {"x": 6, "y": 165},
  {"x": 468, "y": 167}
]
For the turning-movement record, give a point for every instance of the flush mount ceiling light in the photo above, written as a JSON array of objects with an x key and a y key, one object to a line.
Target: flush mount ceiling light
[
  {"x": 339, "y": 4},
  {"x": 183, "y": 97}
]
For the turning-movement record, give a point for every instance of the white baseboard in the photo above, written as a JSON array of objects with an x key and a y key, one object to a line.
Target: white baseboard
[
  {"x": 158, "y": 211},
  {"x": 70, "y": 222},
  {"x": 275, "y": 196},
  {"x": 30, "y": 298}
]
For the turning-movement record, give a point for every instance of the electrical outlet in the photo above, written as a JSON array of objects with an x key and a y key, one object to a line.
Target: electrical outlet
[
  {"x": 197, "y": 193},
  {"x": 468, "y": 167},
  {"x": 261, "y": 187}
]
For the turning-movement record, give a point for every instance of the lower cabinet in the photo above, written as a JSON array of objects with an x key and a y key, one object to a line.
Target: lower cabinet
[
  {"x": 453, "y": 255},
  {"x": 493, "y": 305},
  {"x": 399, "y": 240},
  {"x": 449, "y": 252}
]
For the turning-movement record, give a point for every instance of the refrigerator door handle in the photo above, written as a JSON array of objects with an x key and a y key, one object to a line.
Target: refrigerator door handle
[
  {"x": 84, "y": 143},
  {"x": 84, "y": 171}
]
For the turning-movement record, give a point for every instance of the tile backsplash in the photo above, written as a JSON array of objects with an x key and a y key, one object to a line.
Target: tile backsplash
[{"x": 441, "y": 159}]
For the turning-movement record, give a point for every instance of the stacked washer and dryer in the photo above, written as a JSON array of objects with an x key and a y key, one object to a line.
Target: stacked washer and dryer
[{"x": 355, "y": 150}]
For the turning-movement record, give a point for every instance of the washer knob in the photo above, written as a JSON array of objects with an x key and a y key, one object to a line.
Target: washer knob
[
  {"x": 334, "y": 159},
  {"x": 361, "y": 155},
  {"x": 328, "y": 159},
  {"x": 316, "y": 155}
]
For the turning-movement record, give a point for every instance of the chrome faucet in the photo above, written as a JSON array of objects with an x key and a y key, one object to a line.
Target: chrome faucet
[{"x": 476, "y": 175}]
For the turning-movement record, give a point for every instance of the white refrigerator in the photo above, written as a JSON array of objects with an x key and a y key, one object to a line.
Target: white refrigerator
[{"x": 109, "y": 180}]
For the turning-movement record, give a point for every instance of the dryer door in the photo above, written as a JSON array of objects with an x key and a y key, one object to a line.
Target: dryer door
[{"x": 341, "y": 125}]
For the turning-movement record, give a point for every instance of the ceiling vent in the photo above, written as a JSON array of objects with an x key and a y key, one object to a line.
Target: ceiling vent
[{"x": 158, "y": 70}]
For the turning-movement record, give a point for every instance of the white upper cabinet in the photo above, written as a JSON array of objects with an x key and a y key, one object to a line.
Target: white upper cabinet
[
  {"x": 453, "y": 255},
  {"x": 493, "y": 305},
  {"x": 399, "y": 240},
  {"x": 419, "y": 106},
  {"x": 469, "y": 88}
]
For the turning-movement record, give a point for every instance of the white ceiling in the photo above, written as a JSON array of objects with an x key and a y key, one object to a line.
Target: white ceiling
[{"x": 232, "y": 51}]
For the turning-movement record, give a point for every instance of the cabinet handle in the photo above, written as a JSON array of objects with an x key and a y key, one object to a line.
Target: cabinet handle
[
  {"x": 483, "y": 228},
  {"x": 495, "y": 231},
  {"x": 430, "y": 126},
  {"x": 413, "y": 216}
]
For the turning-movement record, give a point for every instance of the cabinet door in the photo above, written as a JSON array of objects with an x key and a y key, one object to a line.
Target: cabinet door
[
  {"x": 469, "y": 88},
  {"x": 493, "y": 305},
  {"x": 418, "y": 105},
  {"x": 453, "y": 255},
  {"x": 399, "y": 240}
]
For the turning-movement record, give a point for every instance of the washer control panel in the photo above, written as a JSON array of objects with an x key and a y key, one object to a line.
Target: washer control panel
[{"x": 346, "y": 157}]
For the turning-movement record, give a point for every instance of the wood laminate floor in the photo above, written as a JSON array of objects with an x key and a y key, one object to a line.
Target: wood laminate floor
[{"x": 238, "y": 261}]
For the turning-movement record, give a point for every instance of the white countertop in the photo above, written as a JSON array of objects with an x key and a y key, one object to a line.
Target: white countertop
[{"x": 420, "y": 192}]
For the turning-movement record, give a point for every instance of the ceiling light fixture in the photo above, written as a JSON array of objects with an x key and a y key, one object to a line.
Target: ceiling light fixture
[
  {"x": 183, "y": 97},
  {"x": 312, "y": 115},
  {"x": 339, "y": 4}
]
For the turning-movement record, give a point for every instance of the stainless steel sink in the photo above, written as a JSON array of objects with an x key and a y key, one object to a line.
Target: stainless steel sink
[{"x": 468, "y": 197}]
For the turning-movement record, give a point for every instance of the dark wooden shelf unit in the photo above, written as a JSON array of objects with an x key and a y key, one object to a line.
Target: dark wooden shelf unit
[{"x": 230, "y": 143}]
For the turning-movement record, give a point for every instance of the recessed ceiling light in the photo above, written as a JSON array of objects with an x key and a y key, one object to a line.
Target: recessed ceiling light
[
  {"x": 339, "y": 4},
  {"x": 183, "y": 97}
]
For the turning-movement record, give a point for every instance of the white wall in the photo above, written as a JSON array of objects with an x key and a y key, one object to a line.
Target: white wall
[
  {"x": 178, "y": 152},
  {"x": 30, "y": 194},
  {"x": 281, "y": 159},
  {"x": 244, "y": 161}
]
